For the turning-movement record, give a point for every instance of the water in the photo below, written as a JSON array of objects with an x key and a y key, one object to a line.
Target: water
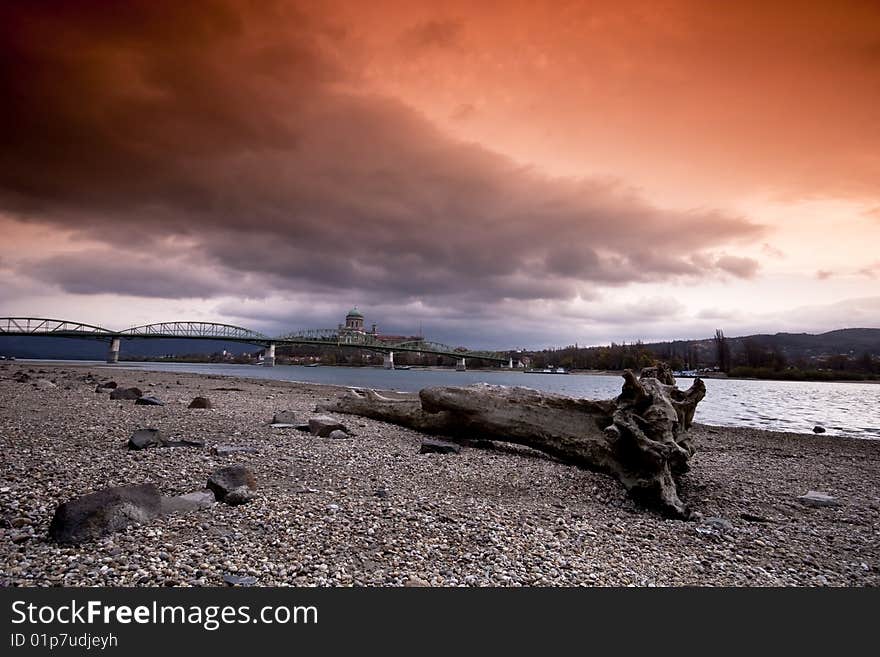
[{"x": 850, "y": 409}]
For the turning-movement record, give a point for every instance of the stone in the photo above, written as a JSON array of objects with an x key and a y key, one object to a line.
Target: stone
[
  {"x": 103, "y": 512},
  {"x": 149, "y": 401},
  {"x": 233, "y": 484},
  {"x": 45, "y": 384},
  {"x": 107, "y": 385},
  {"x": 200, "y": 402},
  {"x": 285, "y": 417},
  {"x": 416, "y": 582},
  {"x": 185, "y": 442},
  {"x": 229, "y": 450},
  {"x": 126, "y": 393},
  {"x": 324, "y": 425},
  {"x": 818, "y": 429},
  {"x": 433, "y": 446},
  {"x": 817, "y": 498},
  {"x": 145, "y": 438},
  {"x": 200, "y": 499},
  {"x": 282, "y": 425},
  {"x": 237, "y": 580},
  {"x": 338, "y": 434}
]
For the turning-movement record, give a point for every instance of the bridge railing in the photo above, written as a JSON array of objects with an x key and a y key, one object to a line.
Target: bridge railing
[
  {"x": 195, "y": 330},
  {"x": 44, "y": 326}
]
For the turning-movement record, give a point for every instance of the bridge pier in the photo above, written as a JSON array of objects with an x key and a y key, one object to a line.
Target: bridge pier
[
  {"x": 388, "y": 360},
  {"x": 269, "y": 355},
  {"x": 461, "y": 365},
  {"x": 113, "y": 354}
]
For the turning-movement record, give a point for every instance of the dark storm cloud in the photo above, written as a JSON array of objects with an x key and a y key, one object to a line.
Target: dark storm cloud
[
  {"x": 240, "y": 129},
  {"x": 105, "y": 272}
]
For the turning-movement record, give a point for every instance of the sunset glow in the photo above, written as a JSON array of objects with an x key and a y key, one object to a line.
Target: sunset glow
[{"x": 503, "y": 174}]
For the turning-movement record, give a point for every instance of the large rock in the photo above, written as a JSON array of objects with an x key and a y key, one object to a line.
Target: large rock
[
  {"x": 199, "y": 499},
  {"x": 432, "y": 446},
  {"x": 324, "y": 425},
  {"x": 817, "y": 498},
  {"x": 149, "y": 401},
  {"x": 104, "y": 512},
  {"x": 145, "y": 438},
  {"x": 107, "y": 385},
  {"x": 284, "y": 417},
  {"x": 200, "y": 402},
  {"x": 126, "y": 393},
  {"x": 234, "y": 484}
]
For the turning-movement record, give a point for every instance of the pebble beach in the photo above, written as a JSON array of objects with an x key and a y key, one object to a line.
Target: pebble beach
[{"x": 370, "y": 510}]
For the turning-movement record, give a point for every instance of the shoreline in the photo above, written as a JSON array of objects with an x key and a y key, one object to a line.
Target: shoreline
[{"x": 370, "y": 510}]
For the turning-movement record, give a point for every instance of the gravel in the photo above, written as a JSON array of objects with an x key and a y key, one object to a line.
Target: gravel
[{"x": 372, "y": 511}]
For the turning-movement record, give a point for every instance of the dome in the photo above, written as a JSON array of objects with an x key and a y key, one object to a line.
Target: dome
[{"x": 354, "y": 312}]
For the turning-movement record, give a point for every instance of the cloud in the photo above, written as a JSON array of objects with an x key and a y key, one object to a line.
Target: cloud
[
  {"x": 108, "y": 272},
  {"x": 737, "y": 266},
  {"x": 772, "y": 251},
  {"x": 824, "y": 274},
  {"x": 244, "y": 135}
]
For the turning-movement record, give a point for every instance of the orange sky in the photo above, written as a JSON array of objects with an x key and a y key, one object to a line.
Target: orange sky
[{"x": 637, "y": 170}]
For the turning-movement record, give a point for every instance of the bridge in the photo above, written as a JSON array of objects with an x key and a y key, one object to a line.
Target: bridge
[{"x": 59, "y": 328}]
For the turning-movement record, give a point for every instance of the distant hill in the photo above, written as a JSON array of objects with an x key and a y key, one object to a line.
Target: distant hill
[
  {"x": 796, "y": 346},
  {"x": 75, "y": 349}
]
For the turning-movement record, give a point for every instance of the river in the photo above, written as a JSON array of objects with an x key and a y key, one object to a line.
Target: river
[{"x": 848, "y": 409}]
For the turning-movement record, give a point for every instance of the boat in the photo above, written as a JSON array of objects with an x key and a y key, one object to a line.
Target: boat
[
  {"x": 403, "y": 367},
  {"x": 313, "y": 365},
  {"x": 547, "y": 370}
]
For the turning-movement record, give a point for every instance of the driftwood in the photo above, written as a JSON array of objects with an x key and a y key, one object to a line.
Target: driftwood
[{"x": 640, "y": 436}]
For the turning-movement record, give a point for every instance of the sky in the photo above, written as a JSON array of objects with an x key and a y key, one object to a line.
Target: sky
[{"x": 500, "y": 174}]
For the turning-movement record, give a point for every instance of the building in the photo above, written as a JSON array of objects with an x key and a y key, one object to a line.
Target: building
[{"x": 353, "y": 331}]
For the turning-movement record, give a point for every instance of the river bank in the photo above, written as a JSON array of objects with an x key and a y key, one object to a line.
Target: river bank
[{"x": 370, "y": 510}]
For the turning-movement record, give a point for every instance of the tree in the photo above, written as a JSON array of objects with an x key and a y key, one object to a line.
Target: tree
[{"x": 722, "y": 350}]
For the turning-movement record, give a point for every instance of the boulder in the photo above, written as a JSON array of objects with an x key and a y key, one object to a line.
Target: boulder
[
  {"x": 190, "y": 502},
  {"x": 149, "y": 401},
  {"x": 103, "y": 512},
  {"x": 200, "y": 402},
  {"x": 126, "y": 393},
  {"x": 433, "y": 446},
  {"x": 324, "y": 425},
  {"x": 285, "y": 417},
  {"x": 234, "y": 484},
  {"x": 338, "y": 434},
  {"x": 817, "y": 498},
  {"x": 145, "y": 438}
]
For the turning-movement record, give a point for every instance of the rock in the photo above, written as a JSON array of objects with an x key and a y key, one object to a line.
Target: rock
[
  {"x": 149, "y": 401},
  {"x": 817, "y": 499},
  {"x": 126, "y": 393},
  {"x": 233, "y": 484},
  {"x": 229, "y": 450},
  {"x": 200, "y": 402},
  {"x": 720, "y": 525},
  {"x": 433, "y": 446},
  {"x": 240, "y": 495},
  {"x": 381, "y": 493},
  {"x": 304, "y": 427},
  {"x": 145, "y": 438},
  {"x": 818, "y": 429},
  {"x": 416, "y": 581},
  {"x": 285, "y": 417},
  {"x": 45, "y": 384},
  {"x": 103, "y": 512},
  {"x": 189, "y": 502},
  {"x": 324, "y": 425},
  {"x": 107, "y": 385},
  {"x": 236, "y": 580},
  {"x": 283, "y": 425},
  {"x": 338, "y": 434}
]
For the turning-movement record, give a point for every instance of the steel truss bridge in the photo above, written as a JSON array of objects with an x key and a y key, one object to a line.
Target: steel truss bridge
[{"x": 59, "y": 328}]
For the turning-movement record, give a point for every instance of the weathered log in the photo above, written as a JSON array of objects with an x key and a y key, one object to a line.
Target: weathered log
[{"x": 640, "y": 436}]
